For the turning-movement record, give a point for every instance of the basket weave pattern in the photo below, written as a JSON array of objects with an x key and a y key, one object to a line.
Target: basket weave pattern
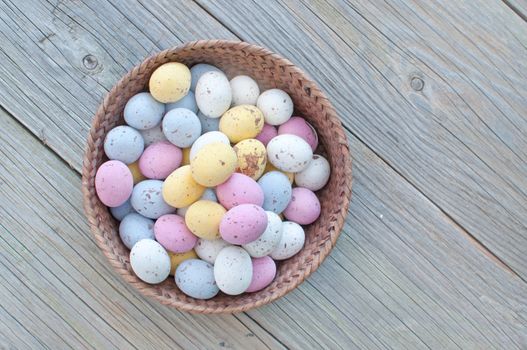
[{"x": 270, "y": 70}]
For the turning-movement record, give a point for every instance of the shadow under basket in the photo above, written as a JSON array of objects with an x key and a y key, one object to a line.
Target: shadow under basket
[{"x": 270, "y": 71}]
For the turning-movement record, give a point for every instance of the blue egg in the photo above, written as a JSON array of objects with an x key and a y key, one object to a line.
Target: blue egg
[
  {"x": 124, "y": 143},
  {"x": 197, "y": 71},
  {"x": 148, "y": 201},
  {"x": 188, "y": 102},
  {"x": 121, "y": 211},
  {"x": 195, "y": 278},
  {"x": 208, "y": 124},
  {"x": 135, "y": 227},
  {"x": 143, "y": 112},
  {"x": 277, "y": 191}
]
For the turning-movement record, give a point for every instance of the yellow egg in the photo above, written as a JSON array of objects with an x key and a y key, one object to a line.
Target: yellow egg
[
  {"x": 180, "y": 189},
  {"x": 213, "y": 164},
  {"x": 170, "y": 82},
  {"x": 252, "y": 158},
  {"x": 242, "y": 122},
  {"x": 203, "y": 219},
  {"x": 178, "y": 258},
  {"x": 136, "y": 173},
  {"x": 270, "y": 167},
  {"x": 186, "y": 156}
]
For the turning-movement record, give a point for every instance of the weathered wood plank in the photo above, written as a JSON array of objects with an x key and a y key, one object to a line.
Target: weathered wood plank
[{"x": 519, "y": 7}]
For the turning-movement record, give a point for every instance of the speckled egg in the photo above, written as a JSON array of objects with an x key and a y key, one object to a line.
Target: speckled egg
[
  {"x": 159, "y": 160},
  {"x": 177, "y": 258},
  {"x": 148, "y": 201},
  {"x": 233, "y": 270},
  {"x": 208, "y": 250},
  {"x": 172, "y": 233},
  {"x": 213, "y": 164},
  {"x": 170, "y": 82},
  {"x": 268, "y": 241},
  {"x": 242, "y": 122},
  {"x": 195, "y": 278},
  {"x": 304, "y": 207},
  {"x": 124, "y": 143},
  {"x": 188, "y": 102},
  {"x": 239, "y": 189},
  {"x": 289, "y": 153},
  {"x": 180, "y": 190},
  {"x": 277, "y": 191},
  {"x": 300, "y": 127},
  {"x": 243, "y": 224},
  {"x": 203, "y": 219},
  {"x": 153, "y": 135},
  {"x": 291, "y": 242},
  {"x": 245, "y": 90},
  {"x": 264, "y": 272},
  {"x": 316, "y": 175},
  {"x": 135, "y": 227},
  {"x": 213, "y": 94},
  {"x": 208, "y": 124},
  {"x": 143, "y": 112},
  {"x": 252, "y": 158},
  {"x": 113, "y": 183},
  {"x": 136, "y": 172},
  {"x": 209, "y": 195},
  {"x": 182, "y": 127},
  {"x": 121, "y": 211},
  {"x": 198, "y": 70},
  {"x": 267, "y": 133},
  {"x": 186, "y": 156},
  {"x": 270, "y": 167},
  {"x": 208, "y": 138},
  {"x": 276, "y": 106},
  {"x": 150, "y": 261}
]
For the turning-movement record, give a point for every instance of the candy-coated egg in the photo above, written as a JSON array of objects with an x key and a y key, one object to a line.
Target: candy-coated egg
[
  {"x": 241, "y": 122},
  {"x": 203, "y": 219},
  {"x": 182, "y": 127},
  {"x": 188, "y": 102},
  {"x": 198, "y": 70},
  {"x": 277, "y": 191},
  {"x": 245, "y": 90},
  {"x": 121, "y": 211},
  {"x": 208, "y": 138},
  {"x": 182, "y": 211},
  {"x": 143, "y": 112},
  {"x": 291, "y": 242},
  {"x": 300, "y": 127},
  {"x": 186, "y": 156},
  {"x": 136, "y": 172},
  {"x": 208, "y": 250},
  {"x": 180, "y": 190},
  {"x": 252, "y": 158},
  {"x": 264, "y": 272},
  {"x": 134, "y": 228},
  {"x": 213, "y": 164},
  {"x": 289, "y": 153},
  {"x": 124, "y": 143},
  {"x": 113, "y": 183},
  {"x": 233, "y": 270},
  {"x": 213, "y": 94},
  {"x": 209, "y": 195},
  {"x": 148, "y": 201},
  {"x": 172, "y": 233},
  {"x": 276, "y": 106},
  {"x": 316, "y": 175},
  {"x": 208, "y": 124},
  {"x": 267, "y": 133},
  {"x": 150, "y": 261},
  {"x": 195, "y": 278},
  {"x": 170, "y": 82},
  {"x": 304, "y": 207},
  {"x": 243, "y": 224},
  {"x": 239, "y": 189},
  {"x": 270, "y": 167},
  {"x": 159, "y": 160},
  {"x": 268, "y": 241},
  {"x": 153, "y": 135},
  {"x": 177, "y": 258}
]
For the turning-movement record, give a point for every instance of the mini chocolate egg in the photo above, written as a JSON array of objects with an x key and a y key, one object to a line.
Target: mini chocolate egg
[
  {"x": 177, "y": 258},
  {"x": 153, "y": 135},
  {"x": 195, "y": 278},
  {"x": 267, "y": 133},
  {"x": 300, "y": 127},
  {"x": 239, "y": 189},
  {"x": 245, "y": 90},
  {"x": 121, "y": 211},
  {"x": 124, "y": 143},
  {"x": 277, "y": 191},
  {"x": 208, "y": 124},
  {"x": 213, "y": 94},
  {"x": 172, "y": 233},
  {"x": 208, "y": 250},
  {"x": 170, "y": 82},
  {"x": 182, "y": 127},
  {"x": 289, "y": 153},
  {"x": 159, "y": 160},
  {"x": 143, "y": 112},
  {"x": 291, "y": 242},
  {"x": 203, "y": 219},
  {"x": 213, "y": 164},
  {"x": 241, "y": 122},
  {"x": 209, "y": 195},
  {"x": 148, "y": 201},
  {"x": 181, "y": 211},
  {"x": 304, "y": 207},
  {"x": 243, "y": 224},
  {"x": 198, "y": 70},
  {"x": 186, "y": 156},
  {"x": 135, "y": 227},
  {"x": 270, "y": 167},
  {"x": 252, "y": 158},
  {"x": 113, "y": 183},
  {"x": 150, "y": 261},
  {"x": 264, "y": 272},
  {"x": 136, "y": 172},
  {"x": 207, "y": 138},
  {"x": 276, "y": 106},
  {"x": 188, "y": 102},
  {"x": 268, "y": 241},
  {"x": 233, "y": 270},
  {"x": 180, "y": 190},
  {"x": 316, "y": 175}
]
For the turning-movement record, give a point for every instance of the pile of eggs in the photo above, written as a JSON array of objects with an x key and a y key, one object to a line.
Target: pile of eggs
[{"x": 201, "y": 179}]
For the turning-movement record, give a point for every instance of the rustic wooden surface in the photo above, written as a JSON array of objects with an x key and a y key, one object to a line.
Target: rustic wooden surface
[{"x": 434, "y": 98}]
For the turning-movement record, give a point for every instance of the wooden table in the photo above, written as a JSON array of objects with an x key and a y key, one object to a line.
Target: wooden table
[{"x": 433, "y": 95}]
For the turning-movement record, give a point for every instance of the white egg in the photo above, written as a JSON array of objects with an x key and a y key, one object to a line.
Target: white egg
[
  {"x": 291, "y": 242},
  {"x": 233, "y": 270},
  {"x": 205, "y": 139},
  {"x": 181, "y": 127},
  {"x": 245, "y": 90},
  {"x": 198, "y": 70},
  {"x": 315, "y": 175},
  {"x": 289, "y": 153},
  {"x": 276, "y": 106},
  {"x": 150, "y": 261},
  {"x": 213, "y": 94},
  {"x": 153, "y": 135},
  {"x": 269, "y": 240},
  {"x": 208, "y": 250}
]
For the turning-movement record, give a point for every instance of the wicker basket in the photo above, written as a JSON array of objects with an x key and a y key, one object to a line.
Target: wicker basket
[{"x": 270, "y": 70}]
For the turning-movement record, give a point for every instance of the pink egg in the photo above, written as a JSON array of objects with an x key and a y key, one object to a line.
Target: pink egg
[
  {"x": 114, "y": 183},
  {"x": 267, "y": 133},
  {"x": 159, "y": 160},
  {"x": 239, "y": 189},
  {"x": 243, "y": 224},
  {"x": 264, "y": 271},
  {"x": 304, "y": 207},
  {"x": 172, "y": 233},
  {"x": 300, "y": 127}
]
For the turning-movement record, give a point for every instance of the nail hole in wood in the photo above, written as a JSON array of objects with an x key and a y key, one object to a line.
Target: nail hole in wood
[
  {"x": 417, "y": 84},
  {"x": 90, "y": 62}
]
